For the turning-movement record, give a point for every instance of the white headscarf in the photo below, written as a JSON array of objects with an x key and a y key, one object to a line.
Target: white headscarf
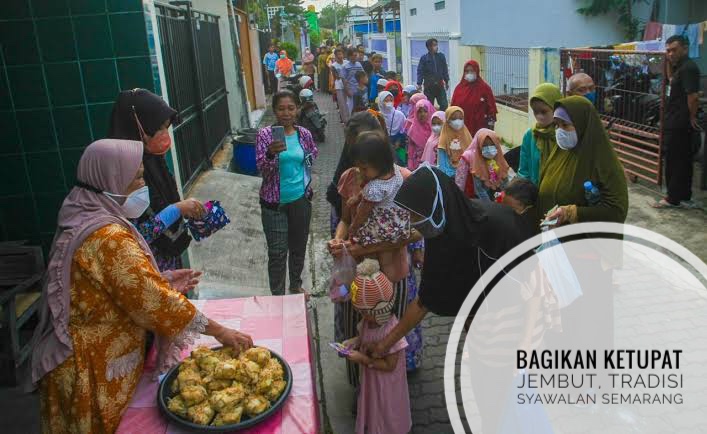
[{"x": 394, "y": 119}]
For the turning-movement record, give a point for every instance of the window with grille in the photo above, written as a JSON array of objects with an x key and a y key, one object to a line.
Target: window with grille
[
  {"x": 413, "y": 12},
  {"x": 439, "y": 6}
]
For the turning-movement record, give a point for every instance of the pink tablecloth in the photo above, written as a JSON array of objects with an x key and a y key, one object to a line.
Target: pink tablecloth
[{"x": 278, "y": 323}]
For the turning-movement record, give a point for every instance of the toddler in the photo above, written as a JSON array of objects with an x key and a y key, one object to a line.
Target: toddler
[
  {"x": 377, "y": 218},
  {"x": 520, "y": 194},
  {"x": 383, "y": 399}
]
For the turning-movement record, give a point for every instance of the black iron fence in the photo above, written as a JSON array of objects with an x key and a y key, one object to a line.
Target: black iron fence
[
  {"x": 506, "y": 71},
  {"x": 630, "y": 89},
  {"x": 196, "y": 86}
]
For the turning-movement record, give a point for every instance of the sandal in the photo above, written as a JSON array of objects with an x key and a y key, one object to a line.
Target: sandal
[
  {"x": 663, "y": 204},
  {"x": 301, "y": 291}
]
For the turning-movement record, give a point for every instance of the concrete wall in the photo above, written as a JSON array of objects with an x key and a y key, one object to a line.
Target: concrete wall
[
  {"x": 539, "y": 23},
  {"x": 258, "y": 82},
  {"x": 231, "y": 73},
  {"x": 511, "y": 124}
]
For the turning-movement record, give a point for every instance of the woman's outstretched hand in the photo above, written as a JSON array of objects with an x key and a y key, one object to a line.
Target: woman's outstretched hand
[
  {"x": 183, "y": 280},
  {"x": 234, "y": 339}
]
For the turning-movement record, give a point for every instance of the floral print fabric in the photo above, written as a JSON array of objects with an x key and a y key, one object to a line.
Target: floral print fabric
[{"x": 116, "y": 296}]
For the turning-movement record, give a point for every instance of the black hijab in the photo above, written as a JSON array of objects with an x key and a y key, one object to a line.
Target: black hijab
[
  {"x": 152, "y": 111},
  {"x": 476, "y": 233}
]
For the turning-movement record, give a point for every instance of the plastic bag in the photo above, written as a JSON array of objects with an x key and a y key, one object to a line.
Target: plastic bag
[
  {"x": 558, "y": 269},
  {"x": 342, "y": 274}
]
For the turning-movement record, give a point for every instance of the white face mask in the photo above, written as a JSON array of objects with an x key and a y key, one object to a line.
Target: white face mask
[
  {"x": 389, "y": 105},
  {"x": 136, "y": 203},
  {"x": 457, "y": 124},
  {"x": 470, "y": 77},
  {"x": 489, "y": 152},
  {"x": 437, "y": 129},
  {"x": 566, "y": 139},
  {"x": 427, "y": 227}
]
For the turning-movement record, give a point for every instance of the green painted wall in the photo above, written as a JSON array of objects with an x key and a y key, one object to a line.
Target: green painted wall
[{"x": 62, "y": 64}]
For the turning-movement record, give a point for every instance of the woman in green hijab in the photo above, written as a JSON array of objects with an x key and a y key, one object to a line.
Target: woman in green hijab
[
  {"x": 540, "y": 139},
  {"x": 582, "y": 153}
]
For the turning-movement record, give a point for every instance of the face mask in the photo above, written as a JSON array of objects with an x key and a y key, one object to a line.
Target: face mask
[
  {"x": 489, "y": 152},
  {"x": 591, "y": 96},
  {"x": 428, "y": 227},
  {"x": 389, "y": 105},
  {"x": 437, "y": 129},
  {"x": 470, "y": 77},
  {"x": 566, "y": 139},
  {"x": 159, "y": 143},
  {"x": 457, "y": 124},
  {"x": 136, "y": 203},
  {"x": 282, "y": 56}
]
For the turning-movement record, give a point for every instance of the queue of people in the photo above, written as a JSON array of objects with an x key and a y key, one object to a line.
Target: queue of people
[{"x": 441, "y": 177}]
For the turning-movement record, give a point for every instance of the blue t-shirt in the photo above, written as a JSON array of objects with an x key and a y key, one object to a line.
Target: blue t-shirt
[
  {"x": 269, "y": 61},
  {"x": 291, "y": 170}
]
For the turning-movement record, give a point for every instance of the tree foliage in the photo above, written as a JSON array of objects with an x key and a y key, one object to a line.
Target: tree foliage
[
  {"x": 621, "y": 7},
  {"x": 326, "y": 16}
]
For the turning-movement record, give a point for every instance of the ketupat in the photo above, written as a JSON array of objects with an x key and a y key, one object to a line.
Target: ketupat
[
  {"x": 228, "y": 416},
  {"x": 193, "y": 395},
  {"x": 227, "y": 397},
  {"x": 256, "y": 404},
  {"x": 215, "y": 387},
  {"x": 201, "y": 414}
]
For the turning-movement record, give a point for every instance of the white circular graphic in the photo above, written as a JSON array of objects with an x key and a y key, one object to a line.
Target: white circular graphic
[{"x": 601, "y": 334}]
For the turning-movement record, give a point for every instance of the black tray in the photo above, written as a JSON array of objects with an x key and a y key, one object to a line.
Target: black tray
[{"x": 164, "y": 392}]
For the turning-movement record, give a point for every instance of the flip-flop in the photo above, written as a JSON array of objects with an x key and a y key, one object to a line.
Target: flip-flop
[{"x": 663, "y": 204}]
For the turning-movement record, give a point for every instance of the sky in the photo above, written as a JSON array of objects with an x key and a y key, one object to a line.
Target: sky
[{"x": 319, "y": 4}]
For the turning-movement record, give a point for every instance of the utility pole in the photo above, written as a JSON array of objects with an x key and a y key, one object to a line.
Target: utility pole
[{"x": 336, "y": 23}]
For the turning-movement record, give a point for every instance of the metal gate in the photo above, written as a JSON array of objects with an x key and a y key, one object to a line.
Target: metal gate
[
  {"x": 630, "y": 100},
  {"x": 196, "y": 86}
]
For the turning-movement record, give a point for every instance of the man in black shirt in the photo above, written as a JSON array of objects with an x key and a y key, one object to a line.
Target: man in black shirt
[
  {"x": 433, "y": 71},
  {"x": 680, "y": 119}
]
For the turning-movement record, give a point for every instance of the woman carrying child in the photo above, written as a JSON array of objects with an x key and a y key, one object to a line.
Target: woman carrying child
[{"x": 398, "y": 266}]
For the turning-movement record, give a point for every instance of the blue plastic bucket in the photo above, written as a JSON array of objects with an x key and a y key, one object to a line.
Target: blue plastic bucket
[{"x": 244, "y": 152}]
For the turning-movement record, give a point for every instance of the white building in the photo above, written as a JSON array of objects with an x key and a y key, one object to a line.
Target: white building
[{"x": 500, "y": 23}]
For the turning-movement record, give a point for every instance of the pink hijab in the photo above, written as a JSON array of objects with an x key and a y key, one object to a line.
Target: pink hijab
[
  {"x": 430, "y": 152},
  {"x": 109, "y": 165},
  {"x": 419, "y": 132},
  {"x": 413, "y": 102}
]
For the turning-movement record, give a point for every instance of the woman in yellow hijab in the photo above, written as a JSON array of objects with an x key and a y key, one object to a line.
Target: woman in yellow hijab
[{"x": 454, "y": 139}]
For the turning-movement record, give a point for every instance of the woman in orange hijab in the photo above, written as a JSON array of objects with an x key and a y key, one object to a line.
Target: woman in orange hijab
[
  {"x": 283, "y": 68},
  {"x": 453, "y": 141}
]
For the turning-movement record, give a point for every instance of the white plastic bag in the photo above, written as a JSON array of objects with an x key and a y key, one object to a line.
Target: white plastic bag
[
  {"x": 342, "y": 274},
  {"x": 558, "y": 269}
]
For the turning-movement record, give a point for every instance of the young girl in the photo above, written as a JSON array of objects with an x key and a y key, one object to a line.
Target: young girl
[
  {"x": 383, "y": 399},
  {"x": 430, "y": 152},
  {"x": 453, "y": 141},
  {"x": 406, "y": 106},
  {"x": 484, "y": 159},
  {"x": 540, "y": 139},
  {"x": 419, "y": 131},
  {"x": 394, "y": 124},
  {"x": 377, "y": 219}
]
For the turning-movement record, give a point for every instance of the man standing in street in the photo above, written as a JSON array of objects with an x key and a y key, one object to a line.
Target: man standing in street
[
  {"x": 269, "y": 62},
  {"x": 432, "y": 71},
  {"x": 680, "y": 121}
]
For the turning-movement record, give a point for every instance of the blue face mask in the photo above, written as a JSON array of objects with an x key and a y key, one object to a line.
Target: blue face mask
[{"x": 591, "y": 96}]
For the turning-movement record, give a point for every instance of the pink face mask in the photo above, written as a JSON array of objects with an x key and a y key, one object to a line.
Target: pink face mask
[{"x": 159, "y": 144}]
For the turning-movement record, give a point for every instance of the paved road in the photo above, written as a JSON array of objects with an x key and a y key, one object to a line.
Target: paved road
[{"x": 426, "y": 388}]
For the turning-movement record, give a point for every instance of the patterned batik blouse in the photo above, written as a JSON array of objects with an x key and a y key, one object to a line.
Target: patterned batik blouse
[{"x": 116, "y": 296}]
